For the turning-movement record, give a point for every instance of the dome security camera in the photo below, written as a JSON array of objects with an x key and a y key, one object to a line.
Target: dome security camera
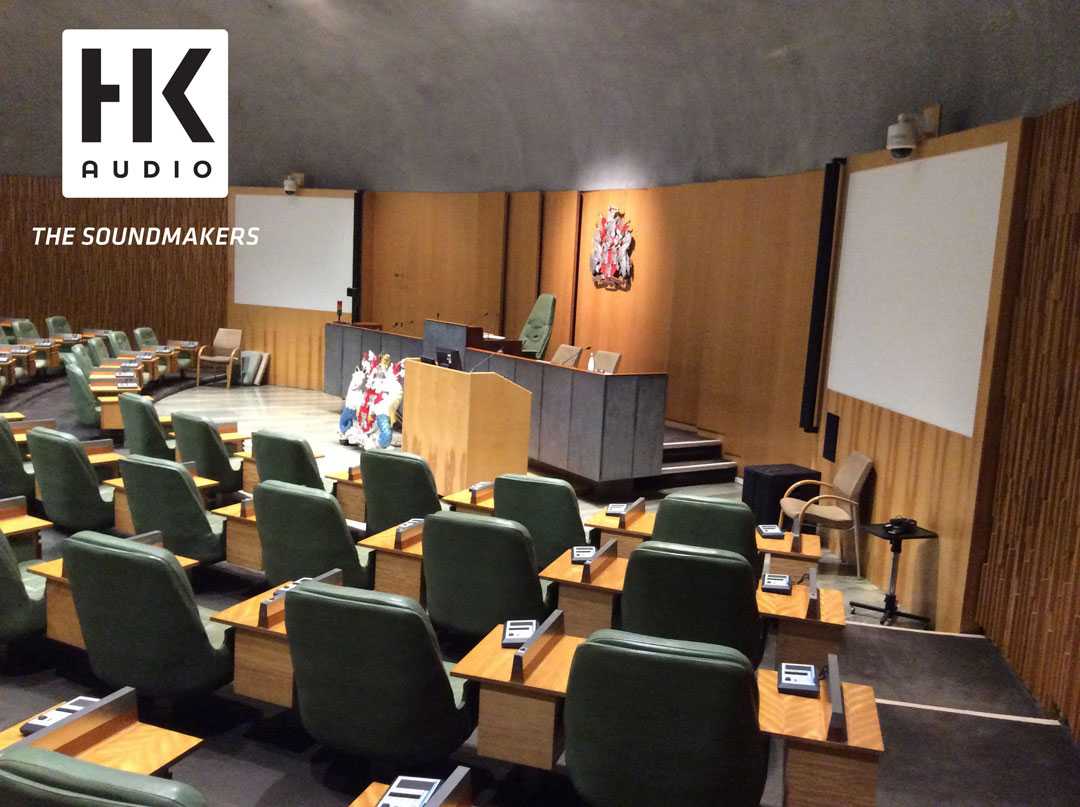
[
  {"x": 902, "y": 137},
  {"x": 289, "y": 185}
]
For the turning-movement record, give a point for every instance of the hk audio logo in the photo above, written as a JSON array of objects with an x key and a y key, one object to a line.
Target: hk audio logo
[{"x": 146, "y": 113}]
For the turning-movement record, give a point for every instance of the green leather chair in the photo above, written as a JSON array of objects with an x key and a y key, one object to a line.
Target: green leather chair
[
  {"x": 97, "y": 350},
  {"x": 143, "y": 433},
  {"x": 398, "y": 486},
  {"x": 118, "y": 342},
  {"x": 163, "y": 498},
  {"x": 87, "y": 408},
  {"x": 34, "y": 777},
  {"x": 547, "y": 508},
  {"x": 678, "y": 591},
  {"x": 382, "y": 694},
  {"x": 81, "y": 356},
  {"x": 536, "y": 331},
  {"x": 198, "y": 441},
  {"x": 479, "y": 571},
  {"x": 22, "y": 597},
  {"x": 15, "y": 478},
  {"x": 303, "y": 534},
  {"x": 684, "y": 518},
  {"x": 656, "y": 722},
  {"x": 58, "y": 325},
  {"x": 140, "y": 621},
  {"x": 24, "y": 329},
  {"x": 286, "y": 458},
  {"x": 69, "y": 485},
  {"x": 146, "y": 339}
]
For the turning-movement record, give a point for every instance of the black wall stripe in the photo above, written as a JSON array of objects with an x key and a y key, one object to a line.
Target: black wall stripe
[{"x": 358, "y": 253}]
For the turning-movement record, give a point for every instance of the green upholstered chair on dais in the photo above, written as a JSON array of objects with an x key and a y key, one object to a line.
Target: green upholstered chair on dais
[
  {"x": 678, "y": 591},
  {"x": 57, "y": 325},
  {"x": 97, "y": 350},
  {"x": 118, "y": 342},
  {"x": 69, "y": 485},
  {"x": 163, "y": 498},
  {"x": 303, "y": 534},
  {"x": 695, "y": 703},
  {"x": 139, "y": 618},
  {"x": 684, "y": 518},
  {"x": 384, "y": 695},
  {"x": 22, "y": 598},
  {"x": 547, "y": 508},
  {"x": 87, "y": 408},
  {"x": 15, "y": 478},
  {"x": 398, "y": 486},
  {"x": 479, "y": 571},
  {"x": 34, "y": 777},
  {"x": 536, "y": 331},
  {"x": 198, "y": 441},
  {"x": 143, "y": 433},
  {"x": 286, "y": 458}
]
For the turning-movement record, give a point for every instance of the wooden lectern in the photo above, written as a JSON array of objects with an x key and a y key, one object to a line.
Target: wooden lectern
[{"x": 470, "y": 427}]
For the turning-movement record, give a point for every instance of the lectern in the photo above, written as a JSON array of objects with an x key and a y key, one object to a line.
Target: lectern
[{"x": 470, "y": 427}]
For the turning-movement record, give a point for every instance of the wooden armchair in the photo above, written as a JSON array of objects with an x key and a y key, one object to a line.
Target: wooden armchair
[
  {"x": 225, "y": 350},
  {"x": 838, "y": 510}
]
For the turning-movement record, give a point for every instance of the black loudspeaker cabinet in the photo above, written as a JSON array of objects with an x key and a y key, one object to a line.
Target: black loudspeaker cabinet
[{"x": 764, "y": 485}]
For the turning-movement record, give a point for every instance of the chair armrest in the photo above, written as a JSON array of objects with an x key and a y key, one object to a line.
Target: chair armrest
[
  {"x": 235, "y": 354},
  {"x": 198, "y": 355},
  {"x": 831, "y": 496},
  {"x": 805, "y": 482}
]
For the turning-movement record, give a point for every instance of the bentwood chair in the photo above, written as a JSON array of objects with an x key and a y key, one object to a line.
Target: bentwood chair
[{"x": 224, "y": 351}]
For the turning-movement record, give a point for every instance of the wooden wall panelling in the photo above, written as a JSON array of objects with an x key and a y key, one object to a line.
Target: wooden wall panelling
[
  {"x": 434, "y": 255},
  {"x": 294, "y": 338},
  {"x": 1029, "y": 597},
  {"x": 941, "y": 478},
  {"x": 179, "y": 291},
  {"x": 522, "y": 277},
  {"x": 558, "y": 261}
]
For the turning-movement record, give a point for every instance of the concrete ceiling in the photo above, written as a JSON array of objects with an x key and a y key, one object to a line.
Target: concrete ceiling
[{"x": 549, "y": 94}]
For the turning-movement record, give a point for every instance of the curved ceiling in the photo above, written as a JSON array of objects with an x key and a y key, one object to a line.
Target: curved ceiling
[{"x": 454, "y": 95}]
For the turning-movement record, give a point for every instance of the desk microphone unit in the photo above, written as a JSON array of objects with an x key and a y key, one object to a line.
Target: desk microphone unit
[
  {"x": 626, "y": 512},
  {"x": 581, "y": 554},
  {"x": 798, "y": 679},
  {"x": 772, "y": 532},
  {"x": 599, "y": 561},
  {"x": 517, "y": 632},
  {"x": 409, "y": 791},
  {"x": 480, "y": 491},
  {"x": 776, "y": 583},
  {"x": 407, "y": 532}
]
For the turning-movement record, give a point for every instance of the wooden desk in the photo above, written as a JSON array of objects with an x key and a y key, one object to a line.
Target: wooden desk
[
  {"x": 586, "y": 607},
  {"x": 22, "y": 530},
  {"x": 10, "y": 416},
  {"x": 397, "y": 571},
  {"x": 111, "y": 419},
  {"x": 800, "y": 639},
  {"x": 784, "y": 561},
  {"x": 638, "y": 530},
  {"x": 7, "y": 372},
  {"x": 50, "y": 353},
  {"x": 462, "y": 501},
  {"x": 122, "y": 510},
  {"x": 520, "y": 722},
  {"x": 61, "y": 619},
  {"x": 350, "y": 495},
  {"x": 243, "y": 546},
  {"x": 109, "y": 733},
  {"x": 816, "y": 770},
  {"x": 28, "y": 359},
  {"x": 262, "y": 663}
]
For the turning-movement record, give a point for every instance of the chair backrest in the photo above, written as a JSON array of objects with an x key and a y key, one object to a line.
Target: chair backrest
[
  {"x": 57, "y": 325},
  {"x": 546, "y": 507},
  {"x": 137, "y": 612},
  {"x": 145, "y": 337},
  {"x": 24, "y": 329},
  {"x": 397, "y": 486},
  {"x": 82, "y": 358},
  {"x": 685, "y": 518},
  {"x": 852, "y": 474},
  {"x": 536, "y": 331},
  {"x": 226, "y": 340},
  {"x": 14, "y": 480},
  {"x": 69, "y": 485},
  {"x": 479, "y": 571},
  {"x": 692, "y": 593},
  {"x": 198, "y": 441},
  {"x": 118, "y": 342},
  {"x": 566, "y": 356},
  {"x": 662, "y": 722},
  {"x": 285, "y": 457},
  {"x": 384, "y": 696},
  {"x": 86, "y": 405},
  {"x": 303, "y": 534},
  {"x": 162, "y": 496},
  {"x": 14, "y": 601},
  {"x": 143, "y": 432},
  {"x": 97, "y": 350},
  {"x": 34, "y": 777},
  {"x": 606, "y": 361}
]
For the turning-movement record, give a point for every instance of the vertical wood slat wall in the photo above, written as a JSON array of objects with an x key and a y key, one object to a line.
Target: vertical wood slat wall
[
  {"x": 1029, "y": 596},
  {"x": 177, "y": 290}
]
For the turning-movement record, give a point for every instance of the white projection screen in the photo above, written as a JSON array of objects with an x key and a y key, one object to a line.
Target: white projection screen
[
  {"x": 913, "y": 285},
  {"x": 304, "y": 258}
]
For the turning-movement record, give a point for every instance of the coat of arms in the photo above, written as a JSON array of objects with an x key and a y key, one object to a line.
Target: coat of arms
[{"x": 612, "y": 244}]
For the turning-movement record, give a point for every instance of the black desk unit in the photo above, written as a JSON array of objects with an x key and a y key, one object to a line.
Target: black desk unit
[
  {"x": 891, "y": 609},
  {"x": 603, "y": 428}
]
